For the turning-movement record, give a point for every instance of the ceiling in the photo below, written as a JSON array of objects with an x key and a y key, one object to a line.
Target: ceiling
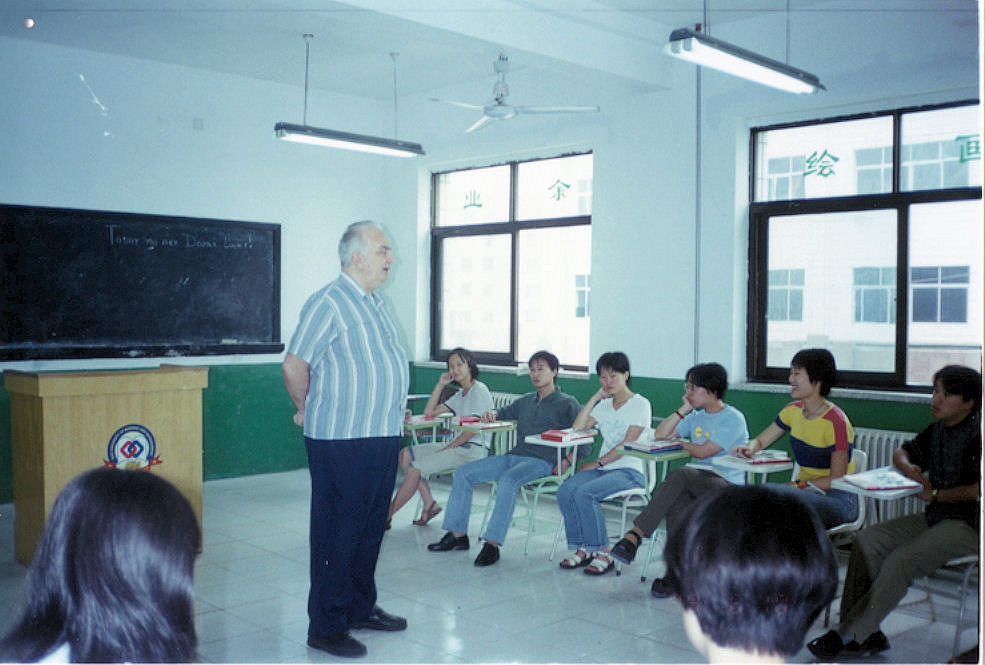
[{"x": 442, "y": 44}]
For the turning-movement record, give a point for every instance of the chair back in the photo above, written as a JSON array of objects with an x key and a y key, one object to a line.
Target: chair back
[{"x": 861, "y": 461}]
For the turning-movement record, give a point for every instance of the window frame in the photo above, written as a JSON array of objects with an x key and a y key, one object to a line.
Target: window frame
[
  {"x": 512, "y": 227},
  {"x": 760, "y": 213}
]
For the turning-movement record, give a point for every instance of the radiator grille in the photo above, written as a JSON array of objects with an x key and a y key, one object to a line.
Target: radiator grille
[{"x": 879, "y": 445}]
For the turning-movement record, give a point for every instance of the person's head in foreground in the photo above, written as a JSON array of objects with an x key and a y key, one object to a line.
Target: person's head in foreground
[
  {"x": 111, "y": 580},
  {"x": 752, "y": 569}
]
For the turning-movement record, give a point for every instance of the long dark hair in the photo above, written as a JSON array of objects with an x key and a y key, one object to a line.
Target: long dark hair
[{"x": 112, "y": 576}]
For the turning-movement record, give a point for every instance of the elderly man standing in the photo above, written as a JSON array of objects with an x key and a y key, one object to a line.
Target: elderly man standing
[{"x": 347, "y": 374}]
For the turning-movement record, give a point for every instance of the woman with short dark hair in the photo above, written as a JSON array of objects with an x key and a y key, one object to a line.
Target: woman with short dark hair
[
  {"x": 111, "y": 580},
  {"x": 472, "y": 398}
]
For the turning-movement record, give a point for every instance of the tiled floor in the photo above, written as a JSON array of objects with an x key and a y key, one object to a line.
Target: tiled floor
[{"x": 252, "y": 577}]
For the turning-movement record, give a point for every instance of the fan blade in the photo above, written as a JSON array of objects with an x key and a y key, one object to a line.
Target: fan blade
[
  {"x": 479, "y": 124},
  {"x": 557, "y": 109},
  {"x": 471, "y": 107}
]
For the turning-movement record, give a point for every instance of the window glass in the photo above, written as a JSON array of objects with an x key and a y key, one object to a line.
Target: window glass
[
  {"x": 830, "y": 159},
  {"x": 549, "y": 263},
  {"x": 553, "y": 188},
  {"x": 834, "y": 253},
  {"x": 475, "y": 196},
  {"x": 942, "y": 148},
  {"x": 475, "y": 293},
  {"x": 945, "y": 256}
]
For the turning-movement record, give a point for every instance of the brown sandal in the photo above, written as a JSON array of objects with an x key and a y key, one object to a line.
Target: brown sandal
[{"x": 428, "y": 514}]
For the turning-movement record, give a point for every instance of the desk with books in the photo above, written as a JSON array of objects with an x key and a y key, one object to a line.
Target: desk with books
[
  {"x": 467, "y": 424},
  {"x": 882, "y": 484},
  {"x": 762, "y": 463},
  {"x": 662, "y": 456},
  {"x": 415, "y": 424}
]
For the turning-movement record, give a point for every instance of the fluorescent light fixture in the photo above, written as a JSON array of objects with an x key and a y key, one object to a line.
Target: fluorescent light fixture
[
  {"x": 333, "y": 139},
  {"x": 706, "y": 51}
]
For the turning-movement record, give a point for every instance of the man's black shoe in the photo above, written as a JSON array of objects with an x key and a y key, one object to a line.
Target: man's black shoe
[
  {"x": 827, "y": 646},
  {"x": 624, "y": 551},
  {"x": 339, "y": 644},
  {"x": 488, "y": 555},
  {"x": 380, "y": 620},
  {"x": 661, "y": 588},
  {"x": 874, "y": 643},
  {"x": 449, "y": 542}
]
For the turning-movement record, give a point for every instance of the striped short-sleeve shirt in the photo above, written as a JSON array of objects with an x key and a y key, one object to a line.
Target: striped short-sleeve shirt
[
  {"x": 358, "y": 368},
  {"x": 813, "y": 441}
]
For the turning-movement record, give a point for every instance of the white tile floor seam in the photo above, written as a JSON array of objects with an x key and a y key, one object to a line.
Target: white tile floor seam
[{"x": 252, "y": 581}]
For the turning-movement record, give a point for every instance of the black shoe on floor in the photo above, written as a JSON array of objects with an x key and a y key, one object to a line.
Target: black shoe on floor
[
  {"x": 661, "y": 588},
  {"x": 827, "y": 646},
  {"x": 380, "y": 620},
  {"x": 343, "y": 645},
  {"x": 874, "y": 643},
  {"x": 449, "y": 542},
  {"x": 488, "y": 555},
  {"x": 624, "y": 551}
]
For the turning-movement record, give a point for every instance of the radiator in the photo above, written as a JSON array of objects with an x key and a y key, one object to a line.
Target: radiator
[
  {"x": 507, "y": 439},
  {"x": 879, "y": 445}
]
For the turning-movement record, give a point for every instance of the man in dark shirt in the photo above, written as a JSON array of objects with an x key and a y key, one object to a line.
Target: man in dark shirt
[{"x": 887, "y": 557}]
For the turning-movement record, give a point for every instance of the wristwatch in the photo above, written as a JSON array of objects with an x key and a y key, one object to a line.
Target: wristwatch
[{"x": 933, "y": 494}]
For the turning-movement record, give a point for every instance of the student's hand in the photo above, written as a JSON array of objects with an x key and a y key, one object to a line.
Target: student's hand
[
  {"x": 685, "y": 407},
  {"x": 743, "y": 451},
  {"x": 601, "y": 395},
  {"x": 444, "y": 379},
  {"x": 489, "y": 416},
  {"x": 299, "y": 418},
  {"x": 914, "y": 472}
]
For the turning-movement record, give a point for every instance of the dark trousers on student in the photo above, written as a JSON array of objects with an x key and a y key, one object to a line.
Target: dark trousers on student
[
  {"x": 351, "y": 484},
  {"x": 672, "y": 498}
]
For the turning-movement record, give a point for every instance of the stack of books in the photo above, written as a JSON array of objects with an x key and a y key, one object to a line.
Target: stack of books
[
  {"x": 569, "y": 435},
  {"x": 651, "y": 446}
]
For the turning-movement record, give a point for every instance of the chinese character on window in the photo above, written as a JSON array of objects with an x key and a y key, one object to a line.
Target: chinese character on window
[
  {"x": 472, "y": 199},
  {"x": 822, "y": 165},
  {"x": 559, "y": 190},
  {"x": 971, "y": 147}
]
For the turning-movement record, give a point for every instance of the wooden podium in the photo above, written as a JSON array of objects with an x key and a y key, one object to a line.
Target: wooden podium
[{"x": 64, "y": 423}]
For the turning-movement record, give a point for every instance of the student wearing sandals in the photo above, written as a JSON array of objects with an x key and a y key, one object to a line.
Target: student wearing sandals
[
  {"x": 471, "y": 399},
  {"x": 713, "y": 428},
  {"x": 620, "y": 415}
]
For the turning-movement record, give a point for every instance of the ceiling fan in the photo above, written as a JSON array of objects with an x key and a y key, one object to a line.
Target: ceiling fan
[{"x": 498, "y": 109}]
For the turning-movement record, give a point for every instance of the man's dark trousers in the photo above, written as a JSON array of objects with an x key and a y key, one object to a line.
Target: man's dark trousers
[{"x": 352, "y": 482}]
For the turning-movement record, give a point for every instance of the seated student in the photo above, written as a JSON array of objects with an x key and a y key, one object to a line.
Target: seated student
[
  {"x": 111, "y": 580},
  {"x": 821, "y": 437},
  {"x": 471, "y": 399},
  {"x": 620, "y": 415},
  {"x": 713, "y": 428},
  {"x": 536, "y": 412},
  {"x": 752, "y": 568},
  {"x": 886, "y": 557}
]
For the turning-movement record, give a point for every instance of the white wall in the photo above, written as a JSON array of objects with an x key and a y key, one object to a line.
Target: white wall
[{"x": 146, "y": 155}]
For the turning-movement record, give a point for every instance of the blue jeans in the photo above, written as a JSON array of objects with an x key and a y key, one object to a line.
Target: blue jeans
[
  {"x": 834, "y": 507},
  {"x": 511, "y": 472},
  {"x": 578, "y": 499}
]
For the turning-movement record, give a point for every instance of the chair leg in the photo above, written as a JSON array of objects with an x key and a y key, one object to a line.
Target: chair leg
[
  {"x": 962, "y": 607},
  {"x": 557, "y": 537},
  {"x": 649, "y": 555},
  {"x": 530, "y": 527},
  {"x": 489, "y": 504}
]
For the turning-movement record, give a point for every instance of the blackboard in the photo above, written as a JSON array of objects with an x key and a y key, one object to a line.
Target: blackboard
[{"x": 91, "y": 284}]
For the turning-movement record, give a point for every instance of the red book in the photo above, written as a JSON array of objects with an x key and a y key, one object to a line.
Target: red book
[{"x": 569, "y": 434}]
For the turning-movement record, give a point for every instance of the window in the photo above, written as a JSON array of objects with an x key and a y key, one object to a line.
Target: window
[
  {"x": 940, "y": 294},
  {"x": 887, "y": 232},
  {"x": 511, "y": 254},
  {"x": 786, "y": 295},
  {"x": 875, "y": 294}
]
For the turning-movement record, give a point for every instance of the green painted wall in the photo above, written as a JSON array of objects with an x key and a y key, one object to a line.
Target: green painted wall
[{"x": 248, "y": 427}]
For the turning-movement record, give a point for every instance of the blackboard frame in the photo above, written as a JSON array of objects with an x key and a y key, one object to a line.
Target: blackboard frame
[{"x": 252, "y": 248}]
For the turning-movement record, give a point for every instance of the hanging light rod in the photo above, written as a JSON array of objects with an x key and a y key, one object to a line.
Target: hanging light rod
[
  {"x": 331, "y": 138},
  {"x": 706, "y": 51}
]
